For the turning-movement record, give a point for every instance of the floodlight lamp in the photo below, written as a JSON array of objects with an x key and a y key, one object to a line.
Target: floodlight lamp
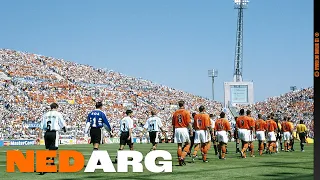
[{"x": 243, "y": 2}]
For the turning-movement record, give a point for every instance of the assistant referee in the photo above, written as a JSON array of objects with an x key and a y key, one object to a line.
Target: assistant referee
[{"x": 302, "y": 132}]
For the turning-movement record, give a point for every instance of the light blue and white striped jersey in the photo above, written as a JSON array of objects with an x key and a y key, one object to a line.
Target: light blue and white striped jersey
[
  {"x": 52, "y": 121},
  {"x": 153, "y": 124},
  {"x": 125, "y": 124}
]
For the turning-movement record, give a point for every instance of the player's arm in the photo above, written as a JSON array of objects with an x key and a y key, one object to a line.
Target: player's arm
[
  {"x": 160, "y": 125},
  {"x": 130, "y": 128},
  {"x": 86, "y": 129},
  {"x": 173, "y": 126},
  {"x": 41, "y": 128},
  {"x": 275, "y": 126},
  {"x": 62, "y": 123},
  {"x": 189, "y": 123},
  {"x": 229, "y": 130},
  {"x": 106, "y": 124},
  {"x": 145, "y": 127}
]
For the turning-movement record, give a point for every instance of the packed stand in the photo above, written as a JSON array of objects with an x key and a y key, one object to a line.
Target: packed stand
[
  {"x": 36, "y": 81},
  {"x": 296, "y": 104}
]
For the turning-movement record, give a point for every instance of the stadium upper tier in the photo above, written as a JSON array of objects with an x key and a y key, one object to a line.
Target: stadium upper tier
[{"x": 30, "y": 82}]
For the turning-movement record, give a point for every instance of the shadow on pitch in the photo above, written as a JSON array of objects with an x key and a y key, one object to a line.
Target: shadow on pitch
[
  {"x": 289, "y": 176},
  {"x": 287, "y": 165}
]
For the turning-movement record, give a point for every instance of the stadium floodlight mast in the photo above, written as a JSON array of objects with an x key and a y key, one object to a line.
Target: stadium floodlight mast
[
  {"x": 238, "y": 60},
  {"x": 213, "y": 73},
  {"x": 293, "y": 88}
]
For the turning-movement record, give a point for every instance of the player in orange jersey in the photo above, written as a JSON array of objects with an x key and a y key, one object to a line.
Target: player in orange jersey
[
  {"x": 287, "y": 133},
  {"x": 202, "y": 128},
  {"x": 251, "y": 130},
  {"x": 242, "y": 126},
  {"x": 221, "y": 127},
  {"x": 271, "y": 131},
  {"x": 260, "y": 127},
  {"x": 181, "y": 121}
]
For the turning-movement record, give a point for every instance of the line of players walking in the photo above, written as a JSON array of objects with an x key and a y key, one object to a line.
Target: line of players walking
[
  {"x": 201, "y": 131},
  {"x": 205, "y": 131}
]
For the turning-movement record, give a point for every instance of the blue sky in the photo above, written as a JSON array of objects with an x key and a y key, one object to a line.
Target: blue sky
[{"x": 171, "y": 42}]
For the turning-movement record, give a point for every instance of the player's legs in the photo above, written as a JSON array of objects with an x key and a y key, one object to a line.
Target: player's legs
[
  {"x": 196, "y": 142},
  {"x": 51, "y": 140},
  {"x": 204, "y": 151},
  {"x": 261, "y": 139},
  {"x": 95, "y": 134},
  {"x": 244, "y": 136},
  {"x": 280, "y": 141},
  {"x": 291, "y": 143},
  {"x": 154, "y": 139},
  {"x": 272, "y": 142},
  {"x": 223, "y": 150},
  {"x": 191, "y": 145},
  {"x": 302, "y": 137},
  {"x": 182, "y": 136},
  {"x": 286, "y": 141},
  {"x": 204, "y": 144},
  {"x": 123, "y": 141}
]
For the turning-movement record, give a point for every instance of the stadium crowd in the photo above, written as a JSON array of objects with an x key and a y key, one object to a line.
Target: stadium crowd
[{"x": 35, "y": 81}]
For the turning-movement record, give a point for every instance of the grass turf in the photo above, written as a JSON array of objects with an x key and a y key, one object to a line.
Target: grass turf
[{"x": 295, "y": 165}]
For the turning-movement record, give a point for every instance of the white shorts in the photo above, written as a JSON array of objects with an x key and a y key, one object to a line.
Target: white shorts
[
  {"x": 286, "y": 136},
  {"x": 201, "y": 136},
  {"x": 271, "y": 136},
  {"x": 243, "y": 135},
  {"x": 181, "y": 135},
  {"x": 251, "y": 135},
  {"x": 222, "y": 137},
  {"x": 261, "y": 136}
]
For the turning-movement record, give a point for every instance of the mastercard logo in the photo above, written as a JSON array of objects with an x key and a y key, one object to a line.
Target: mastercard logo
[{"x": 6, "y": 143}]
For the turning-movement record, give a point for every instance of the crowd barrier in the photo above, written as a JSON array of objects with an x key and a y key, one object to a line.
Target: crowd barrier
[{"x": 1, "y": 143}]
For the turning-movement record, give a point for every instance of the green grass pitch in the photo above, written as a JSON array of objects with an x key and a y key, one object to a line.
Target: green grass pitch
[{"x": 295, "y": 165}]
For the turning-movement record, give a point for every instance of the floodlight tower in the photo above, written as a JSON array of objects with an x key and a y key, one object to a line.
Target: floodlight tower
[
  {"x": 212, "y": 74},
  {"x": 238, "y": 61}
]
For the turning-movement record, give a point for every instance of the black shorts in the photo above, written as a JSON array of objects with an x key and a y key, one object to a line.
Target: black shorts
[
  {"x": 154, "y": 139},
  {"x": 95, "y": 134},
  {"x": 278, "y": 136},
  {"x": 124, "y": 139},
  {"x": 51, "y": 140},
  {"x": 192, "y": 138},
  {"x": 302, "y": 137}
]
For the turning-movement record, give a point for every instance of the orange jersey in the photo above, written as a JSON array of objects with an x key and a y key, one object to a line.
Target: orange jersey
[
  {"x": 271, "y": 125},
  {"x": 222, "y": 125},
  {"x": 260, "y": 125},
  {"x": 251, "y": 122},
  {"x": 201, "y": 121},
  {"x": 181, "y": 118},
  {"x": 242, "y": 122},
  {"x": 286, "y": 127}
]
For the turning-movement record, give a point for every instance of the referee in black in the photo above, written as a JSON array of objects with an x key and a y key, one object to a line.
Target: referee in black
[
  {"x": 52, "y": 122},
  {"x": 95, "y": 121}
]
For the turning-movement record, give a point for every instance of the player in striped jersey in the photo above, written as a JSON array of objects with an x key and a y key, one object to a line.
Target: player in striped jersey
[
  {"x": 52, "y": 122},
  {"x": 126, "y": 128},
  {"x": 153, "y": 126}
]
